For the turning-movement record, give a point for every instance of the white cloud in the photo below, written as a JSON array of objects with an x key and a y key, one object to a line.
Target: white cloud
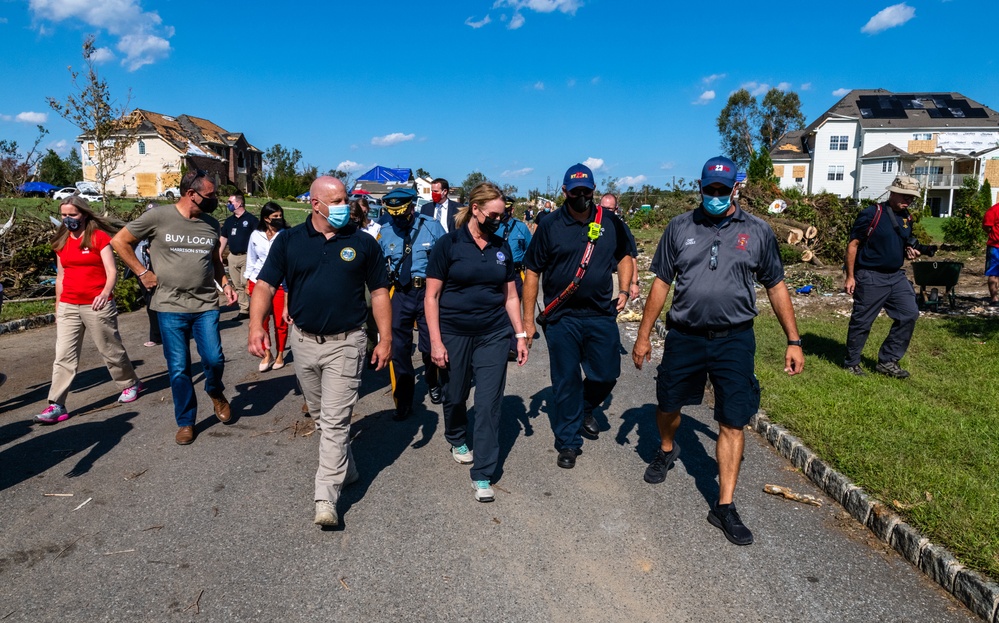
[
  {"x": 142, "y": 37},
  {"x": 705, "y": 97},
  {"x": 629, "y": 180},
  {"x": 784, "y": 86},
  {"x": 61, "y": 147},
  {"x": 516, "y": 21},
  {"x": 895, "y": 15},
  {"x": 349, "y": 165},
  {"x": 391, "y": 139},
  {"x": 568, "y": 7},
  {"x": 539, "y": 86},
  {"x": 755, "y": 88},
  {"x": 595, "y": 164},
  {"x": 806, "y": 86},
  {"x": 479, "y": 24},
  {"x": 6, "y": 118},
  {"x": 595, "y": 80},
  {"x": 712, "y": 78},
  {"x": 517, "y": 172},
  {"x": 102, "y": 55},
  {"x": 666, "y": 166},
  {"x": 840, "y": 92},
  {"x": 32, "y": 117}
]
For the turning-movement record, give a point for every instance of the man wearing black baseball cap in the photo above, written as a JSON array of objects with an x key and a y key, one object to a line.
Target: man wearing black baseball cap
[
  {"x": 711, "y": 256},
  {"x": 577, "y": 248}
]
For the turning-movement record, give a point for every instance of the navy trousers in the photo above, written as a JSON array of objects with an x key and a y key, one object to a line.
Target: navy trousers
[
  {"x": 407, "y": 308},
  {"x": 874, "y": 291}
]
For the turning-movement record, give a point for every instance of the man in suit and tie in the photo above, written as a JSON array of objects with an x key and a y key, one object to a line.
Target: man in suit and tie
[{"x": 442, "y": 210}]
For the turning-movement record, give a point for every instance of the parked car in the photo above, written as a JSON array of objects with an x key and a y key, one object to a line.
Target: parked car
[
  {"x": 92, "y": 196},
  {"x": 62, "y": 193},
  {"x": 171, "y": 193}
]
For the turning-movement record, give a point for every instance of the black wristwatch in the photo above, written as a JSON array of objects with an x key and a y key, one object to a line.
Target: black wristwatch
[{"x": 794, "y": 343}]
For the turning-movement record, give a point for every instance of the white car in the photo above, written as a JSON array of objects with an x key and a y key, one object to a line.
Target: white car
[
  {"x": 62, "y": 193},
  {"x": 92, "y": 196},
  {"x": 170, "y": 193}
]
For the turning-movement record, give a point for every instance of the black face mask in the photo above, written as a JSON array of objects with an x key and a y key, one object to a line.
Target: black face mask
[
  {"x": 277, "y": 223},
  {"x": 208, "y": 204},
  {"x": 403, "y": 220},
  {"x": 581, "y": 203},
  {"x": 489, "y": 225}
]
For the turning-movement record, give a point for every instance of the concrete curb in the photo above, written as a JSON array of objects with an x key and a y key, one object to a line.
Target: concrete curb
[
  {"x": 23, "y": 324},
  {"x": 972, "y": 589}
]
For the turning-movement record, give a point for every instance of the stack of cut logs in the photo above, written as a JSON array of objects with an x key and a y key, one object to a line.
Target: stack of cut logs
[{"x": 799, "y": 235}]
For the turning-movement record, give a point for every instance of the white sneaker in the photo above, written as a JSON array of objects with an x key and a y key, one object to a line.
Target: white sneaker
[
  {"x": 130, "y": 394},
  {"x": 483, "y": 492},
  {"x": 461, "y": 454},
  {"x": 325, "y": 514}
]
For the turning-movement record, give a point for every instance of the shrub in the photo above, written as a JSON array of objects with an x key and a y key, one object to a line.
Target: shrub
[
  {"x": 964, "y": 227},
  {"x": 789, "y": 254}
]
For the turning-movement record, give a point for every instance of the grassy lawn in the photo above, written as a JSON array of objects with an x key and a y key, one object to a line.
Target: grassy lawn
[
  {"x": 14, "y": 311},
  {"x": 927, "y": 445},
  {"x": 934, "y": 227}
]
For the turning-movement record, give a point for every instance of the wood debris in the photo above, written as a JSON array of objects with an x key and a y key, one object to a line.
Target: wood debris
[
  {"x": 85, "y": 502},
  {"x": 787, "y": 493},
  {"x": 151, "y": 528},
  {"x": 342, "y": 582},
  {"x": 197, "y": 603},
  {"x": 122, "y": 551},
  {"x": 136, "y": 475},
  {"x": 57, "y": 495}
]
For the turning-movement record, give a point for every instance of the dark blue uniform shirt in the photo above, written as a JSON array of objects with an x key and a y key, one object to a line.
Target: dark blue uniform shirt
[
  {"x": 556, "y": 250},
  {"x": 326, "y": 278},
  {"x": 237, "y": 229},
  {"x": 473, "y": 300},
  {"x": 884, "y": 251}
]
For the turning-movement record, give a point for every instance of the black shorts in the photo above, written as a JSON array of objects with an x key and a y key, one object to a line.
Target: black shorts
[{"x": 689, "y": 360}]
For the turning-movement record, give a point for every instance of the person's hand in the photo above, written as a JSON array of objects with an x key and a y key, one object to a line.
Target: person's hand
[
  {"x": 287, "y": 317},
  {"x": 635, "y": 291},
  {"x": 851, "y": 285},
  {"x": 259, "y": 340},
  {"x": 230, "y": 293},
  {"x": 522, "y": 350},
  {"x": 100, "y": 301},
  {"x": 794, "y": 360},
  {"x": 641, "y": 352},
  {"x": 438, "y": 354},
  {"x": 912, "y": 253},
  {"x": 148, "y": 280},
  {"x": 622, "y": 300},
  {"x": 382, "y": 354},
  {"x": 530, "y": 330}
]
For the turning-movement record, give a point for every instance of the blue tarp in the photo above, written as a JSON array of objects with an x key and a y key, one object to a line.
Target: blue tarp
[
  {"x": 384, "y": 175},
  {"x": 36, "y": 187}
]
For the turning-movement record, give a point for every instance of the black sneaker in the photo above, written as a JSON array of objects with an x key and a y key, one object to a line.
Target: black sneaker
[
  {"x": 855, "y": 370},
  {"x": 590, "y": 429},
  {"x": 436, "y": 394},
  {"x": 730, "y": 523},
  {"x": 892, "y": 369},
  {"x": 657, "y": 469}
]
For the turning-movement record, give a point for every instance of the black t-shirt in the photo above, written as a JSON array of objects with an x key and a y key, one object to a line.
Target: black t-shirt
[
  {"x": 473, "y": 300},
  {"x": 326, "y": 278},
  {"x": 884, "y": 251},
  {"x": 237, "y": 229},
  {"x": 556, "y": 250}
]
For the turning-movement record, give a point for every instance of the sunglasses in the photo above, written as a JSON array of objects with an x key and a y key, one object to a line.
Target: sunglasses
[
  {"x": 716, "y": 192},
  {"x": 580, "y": 192},
  {"x": 713, "y": 262}
]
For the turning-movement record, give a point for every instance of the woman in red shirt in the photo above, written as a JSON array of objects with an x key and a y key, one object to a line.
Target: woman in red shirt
[{"x": 84, "y": 281}]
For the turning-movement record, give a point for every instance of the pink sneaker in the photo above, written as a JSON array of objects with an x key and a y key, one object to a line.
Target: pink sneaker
[
  {"x": 53, "y": 414},
  {"x": 130, "y": 394}
]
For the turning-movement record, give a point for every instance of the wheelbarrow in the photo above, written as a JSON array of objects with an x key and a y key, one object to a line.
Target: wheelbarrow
[{"x": 943, "y": 274}]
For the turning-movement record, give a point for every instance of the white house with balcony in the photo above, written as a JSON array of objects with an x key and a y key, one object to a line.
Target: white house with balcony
[{"x": 857, "y": 147}]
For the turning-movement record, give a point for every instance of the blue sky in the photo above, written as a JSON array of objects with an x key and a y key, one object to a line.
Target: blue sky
[{"x": 517, "y": 89}]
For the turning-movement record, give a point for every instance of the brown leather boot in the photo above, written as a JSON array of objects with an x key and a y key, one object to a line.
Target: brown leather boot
[
  {"x": 185, "y": 435},
  {"x": 222, "y": 410}
]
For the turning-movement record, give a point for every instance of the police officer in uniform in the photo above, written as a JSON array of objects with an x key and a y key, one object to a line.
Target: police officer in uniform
[
  {"x": 406, "y": 242},
  {"x": 235, "y": 235},
  {"x": 517, "y": 234}
]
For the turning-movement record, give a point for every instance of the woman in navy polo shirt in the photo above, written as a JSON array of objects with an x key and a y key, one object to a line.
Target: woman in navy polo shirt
[{"x": 471, "y": 308}]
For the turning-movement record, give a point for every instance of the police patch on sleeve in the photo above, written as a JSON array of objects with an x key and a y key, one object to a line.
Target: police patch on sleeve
[{"x": 348, "y": 254}]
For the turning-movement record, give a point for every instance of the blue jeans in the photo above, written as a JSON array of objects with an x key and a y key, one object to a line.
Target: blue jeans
[{"x": 177, "y": 329}]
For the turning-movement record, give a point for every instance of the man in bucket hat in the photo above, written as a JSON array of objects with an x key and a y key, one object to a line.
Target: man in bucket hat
[{"x": 880, "y": 241}]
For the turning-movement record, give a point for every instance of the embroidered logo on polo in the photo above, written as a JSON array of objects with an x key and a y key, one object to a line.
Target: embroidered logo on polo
[
  {"x": 741, "y": 241},
  {"x": 689, "y": 242},
  {"x": 348, "y": 254},
  {"x": 500, "y": 257}
]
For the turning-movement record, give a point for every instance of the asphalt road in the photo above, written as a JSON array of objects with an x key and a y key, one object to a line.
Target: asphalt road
[{"x": 222, "y": 530}]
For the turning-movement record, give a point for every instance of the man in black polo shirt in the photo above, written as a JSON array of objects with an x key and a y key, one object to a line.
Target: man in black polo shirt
[
  {"x": 580, "y": 321},
  {"x": 236, "y": 235},
  {"x": 879, "y": 244},
  {"x": 327, "y": 262},
  {"x": 712, "y": 255}
]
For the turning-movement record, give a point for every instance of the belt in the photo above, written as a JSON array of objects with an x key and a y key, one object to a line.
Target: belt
[
  {"x": 233, "y": 253},
  {"x": 418, "y": 283},
  {"x": 713, "y": 333},
  {"x": 518, "y": 266},
  {"x": 331, "y": 337}
]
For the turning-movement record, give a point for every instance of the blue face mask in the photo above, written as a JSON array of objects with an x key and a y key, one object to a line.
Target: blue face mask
[
  {"x": 716, "y": 206},
  {"x": 230, "y": 207},
  {"x": 339, "y": 216}
]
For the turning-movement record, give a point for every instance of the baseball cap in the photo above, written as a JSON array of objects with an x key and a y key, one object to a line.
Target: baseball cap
[
  {"x": 578, "y": 175},
  {"x": 905, "y": 185},
  {"x": 719, "y": 169}
]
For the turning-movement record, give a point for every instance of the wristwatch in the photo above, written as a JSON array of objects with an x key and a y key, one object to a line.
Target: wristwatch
[{"x": 794, "y": 343}]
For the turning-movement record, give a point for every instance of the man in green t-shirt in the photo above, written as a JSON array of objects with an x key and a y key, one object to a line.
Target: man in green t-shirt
[{"x": 184, "y": 249}]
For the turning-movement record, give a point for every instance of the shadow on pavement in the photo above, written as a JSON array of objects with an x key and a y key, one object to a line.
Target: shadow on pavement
[
  {"x": 48, "y": 449},
  {"x": 514, "y": 418},
  {"x": 259, "y": 397}
]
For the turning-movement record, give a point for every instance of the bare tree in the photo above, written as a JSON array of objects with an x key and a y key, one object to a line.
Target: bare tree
[
  {"x": 15, "y": 167},
  {"x": 109, "y": 128}
]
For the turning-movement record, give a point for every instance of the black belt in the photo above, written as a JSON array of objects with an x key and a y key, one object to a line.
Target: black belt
[
  {"x": 234, "y": 253},
  {"x": 713, "y": 333},
  {"x": 518, "y": 266},
  {"x": 329, "y": 337},
  {"x": 418, "y": 283}
]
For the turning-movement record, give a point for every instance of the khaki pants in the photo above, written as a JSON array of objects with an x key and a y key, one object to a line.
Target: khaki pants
[
  {"x": 330, "y": 375},
  {"x": 72, "y": 322},
  {"x": 237, "y": 265}
]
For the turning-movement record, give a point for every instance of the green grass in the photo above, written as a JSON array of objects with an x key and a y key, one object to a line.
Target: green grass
[
  {"x": 934, "y": 227},
  {"x": 931, "y": 442},
  {"x": 14, "y": 311}
]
